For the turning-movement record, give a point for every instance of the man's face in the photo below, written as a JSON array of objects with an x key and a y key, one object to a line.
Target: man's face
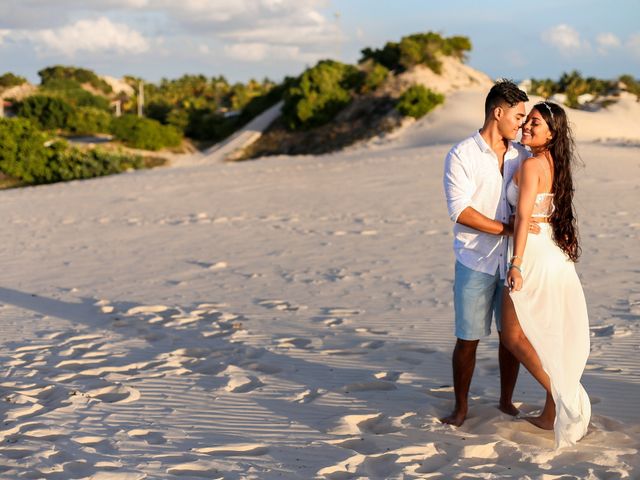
[{"x": 510, "y": 119}]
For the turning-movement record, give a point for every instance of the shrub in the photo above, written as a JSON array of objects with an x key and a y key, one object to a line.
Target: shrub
[
  {"x": 375, "y": 75},
  {"x": 74, "y": 94},
  {"x": 417, "y": 101},
  {"x": 205, "y": 124},
  {"x": 158, "y": 110},
  {"x": 319, "y": 94},
  {"x": 25, "y": 157},
  {"x": 418, "y": 49},
  {"x": 10, "y": 80},
  {"x": 49, "y": 113},
  {"x": 23, "y": 154},
  {"x": 70, "y": 163},
  {"x": 144, "y": 133},
  {"x": 573, "y": 85},
  {"x": 78, "y": 75},
  {"x": 89, "y": 120},
  {"x": 630, "y": 84}
]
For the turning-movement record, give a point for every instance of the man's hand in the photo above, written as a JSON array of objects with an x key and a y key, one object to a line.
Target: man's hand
[{"x": 534, "y": 227}]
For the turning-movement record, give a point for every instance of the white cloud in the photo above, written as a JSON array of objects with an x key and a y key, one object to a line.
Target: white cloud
[
  {"x": 607, "y": 41},
  {"x": 257, "y": 52},
  {"x": 565, "y": 38},
  {"x": 93, "y": 36},
  {"x": 633, "y": 44}
]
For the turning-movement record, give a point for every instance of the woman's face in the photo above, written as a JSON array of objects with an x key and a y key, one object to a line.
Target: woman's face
[{"x": 535, "y": 131}]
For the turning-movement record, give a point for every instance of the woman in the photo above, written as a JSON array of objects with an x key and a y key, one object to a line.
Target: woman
[{"x": 545, "y": 323}]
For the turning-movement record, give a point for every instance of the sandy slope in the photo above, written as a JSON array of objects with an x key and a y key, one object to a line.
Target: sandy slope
[{"x": 287, "y": 318}]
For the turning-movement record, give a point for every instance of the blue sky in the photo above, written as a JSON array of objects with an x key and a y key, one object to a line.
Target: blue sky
[{"x": 244, "y": 39}]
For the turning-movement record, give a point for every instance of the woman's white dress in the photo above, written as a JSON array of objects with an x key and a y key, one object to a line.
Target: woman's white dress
[{"x": 552, "y": 312}]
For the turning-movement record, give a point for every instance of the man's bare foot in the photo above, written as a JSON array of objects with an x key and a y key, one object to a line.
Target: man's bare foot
[
  {"x": 456, "y": 418},
  {"x": 541, "y": 422},
  {"x": 509, "y": 409}
]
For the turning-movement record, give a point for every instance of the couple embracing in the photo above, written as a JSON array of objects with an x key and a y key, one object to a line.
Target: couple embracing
[{"x": 515, "y": 243}]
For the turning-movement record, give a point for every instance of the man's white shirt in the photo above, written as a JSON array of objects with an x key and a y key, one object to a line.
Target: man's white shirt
[{"x": 472, "y": 178}]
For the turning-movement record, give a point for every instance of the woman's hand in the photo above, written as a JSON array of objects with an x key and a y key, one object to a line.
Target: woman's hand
[{"x": 514, "y": 279}]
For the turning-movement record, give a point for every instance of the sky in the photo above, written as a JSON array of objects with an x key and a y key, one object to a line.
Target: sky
[{"x": 243, "y": 39}]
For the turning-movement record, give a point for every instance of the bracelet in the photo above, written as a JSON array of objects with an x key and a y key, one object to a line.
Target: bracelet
[
  {"x": 511, "y": 265},
  {"x": 514, "y": 257}
]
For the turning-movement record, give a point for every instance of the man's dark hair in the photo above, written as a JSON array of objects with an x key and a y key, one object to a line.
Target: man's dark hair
[{"x": 504, "y": 91}]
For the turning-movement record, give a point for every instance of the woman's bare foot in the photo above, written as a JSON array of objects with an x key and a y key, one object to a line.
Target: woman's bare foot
[
  {"x": 509, "y": 409},
  {"x": 541, "y": 422},
  {"x": 547, "y": 417},
  {"x": 456, "y": 418}
]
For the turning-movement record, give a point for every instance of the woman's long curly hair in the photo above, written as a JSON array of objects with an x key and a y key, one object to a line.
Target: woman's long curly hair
[{"x": 562, "y": 148}]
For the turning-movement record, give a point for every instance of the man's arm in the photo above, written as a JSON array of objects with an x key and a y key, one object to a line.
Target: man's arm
[{"x": 472, "y": 218}]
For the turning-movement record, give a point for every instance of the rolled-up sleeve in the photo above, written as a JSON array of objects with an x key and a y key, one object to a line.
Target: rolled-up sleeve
[{"x": 458, "y": 187}]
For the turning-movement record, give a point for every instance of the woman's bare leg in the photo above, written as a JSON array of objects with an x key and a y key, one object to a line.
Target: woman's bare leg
[{"x": 516, "y": 341}]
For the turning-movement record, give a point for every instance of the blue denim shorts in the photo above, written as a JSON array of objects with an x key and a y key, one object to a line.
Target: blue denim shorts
[{"x": 477, "y": 297}]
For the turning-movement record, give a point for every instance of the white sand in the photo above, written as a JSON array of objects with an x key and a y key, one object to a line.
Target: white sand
[{"x": 289, "y": 318}]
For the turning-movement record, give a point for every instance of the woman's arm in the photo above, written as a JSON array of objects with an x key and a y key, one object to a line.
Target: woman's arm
[{"x": 529, "y": 179}]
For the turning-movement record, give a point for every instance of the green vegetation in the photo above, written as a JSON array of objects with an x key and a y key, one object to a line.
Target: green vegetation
[
  {"x": 145, "y": 133},
  {"x": 29, "y": 155},
  {"x": 573, "y": 84},
  {"x": 196, "y": 105},
  {"x": 47, "y": 113},
  {"x": 89, "y": 121},
  {"x": 417, "y": 101},
  {"x": 74, "y": 94},
  {"x": 80, "y": 76},
  {"x": 630, "y": 84},
  {"x": 375, "y": 75},
  {"x": 319, "y": 94},
  {"x": 56, "y": 114},
  {"x": 420, "y": 48},
  {"x": 9, "y": 80}
]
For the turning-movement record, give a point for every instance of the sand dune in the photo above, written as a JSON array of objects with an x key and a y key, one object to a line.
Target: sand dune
[{"x": 289, "y": 318}]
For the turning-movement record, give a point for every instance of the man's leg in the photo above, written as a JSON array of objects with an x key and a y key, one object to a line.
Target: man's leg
[
  {"x": 472, "y": 300},
  {"x": 464, "y": 362}
]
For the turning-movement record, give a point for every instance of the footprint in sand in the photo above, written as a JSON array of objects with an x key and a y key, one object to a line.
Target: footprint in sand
[
  {"x": 293, "y": 342},
  {"x": 309, "y": 395},
  {"x": 235, "y": 450},
  {"x": 197, "y": 470},
  {"x": 370, "y": 386},
  {"x": 243, "y": 383},
  {"x": 115, "y": 394},
  {"x": 152, "y": 438},
  {"x": 340, "y": 312},
  {"x": 371, "y": 331},
  {"x": 43, "y": 432},
  {"x": 444, "y": 391},
  {"x": 375, "y": 423},
  {"x": 147, "y": 309},
  {"x": 388, "y": 376},
  {"x": 280, "y": 305},
  {"x": 99, "y": 444},
  {"x": 333, "y": 322},
  {"x": 364, "y": 446},
  {"x": 261, "y": 367}
]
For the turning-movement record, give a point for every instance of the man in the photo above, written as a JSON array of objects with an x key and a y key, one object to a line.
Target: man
[{"x": 476, "y": 173}]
